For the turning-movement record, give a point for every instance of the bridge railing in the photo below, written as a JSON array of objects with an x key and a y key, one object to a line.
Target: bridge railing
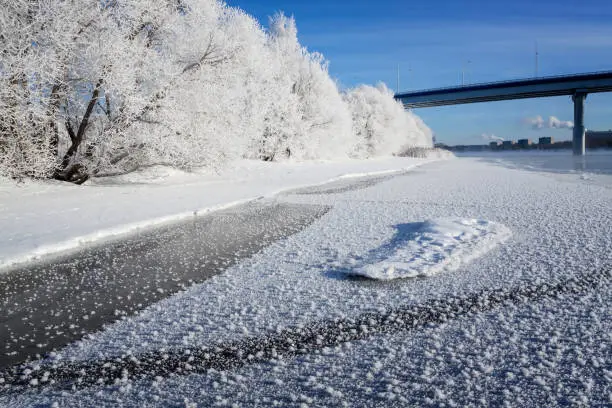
[{"x": 506, "y": 81}]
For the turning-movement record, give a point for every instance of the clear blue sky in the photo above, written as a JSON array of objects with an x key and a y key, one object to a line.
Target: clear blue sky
[{"x": 434, "y": 40}]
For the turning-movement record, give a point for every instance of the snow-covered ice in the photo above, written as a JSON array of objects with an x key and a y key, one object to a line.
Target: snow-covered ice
[
  {"x": 552, "y": 351},
  {"x": 425, "y": 248},
  {"x": 303, "y": 278}
]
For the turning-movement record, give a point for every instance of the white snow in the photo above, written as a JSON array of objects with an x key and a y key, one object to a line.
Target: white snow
[
  {"x": 550, "y": 352},
  {"x": 303, "y": 278},
  {"x": 42, "y": 218},
  {"x": 422, "y": 249}
]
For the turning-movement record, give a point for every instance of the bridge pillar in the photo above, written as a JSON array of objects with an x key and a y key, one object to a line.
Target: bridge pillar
[{"x": 578, "y": 141}]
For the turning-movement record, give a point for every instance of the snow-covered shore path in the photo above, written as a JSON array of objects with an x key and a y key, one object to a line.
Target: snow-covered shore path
[
  {"x": 530, "y": 229},
  {"x": 38, "y": 219}
]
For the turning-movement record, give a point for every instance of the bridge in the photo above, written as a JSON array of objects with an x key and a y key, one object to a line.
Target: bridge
[{"x": 578, "y": 86}]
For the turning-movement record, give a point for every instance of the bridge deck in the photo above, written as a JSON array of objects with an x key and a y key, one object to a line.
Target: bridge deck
[{"x": 506, "y": 90}]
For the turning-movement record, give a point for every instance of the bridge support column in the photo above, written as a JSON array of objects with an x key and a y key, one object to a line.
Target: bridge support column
[{"x": 578, "y": 141}]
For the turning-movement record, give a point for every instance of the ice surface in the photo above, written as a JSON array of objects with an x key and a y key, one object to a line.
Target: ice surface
[
  {"x": 426, "y": 248},
  {"x": 303, "y": 278},
  {"x": 549, "y": 352}
]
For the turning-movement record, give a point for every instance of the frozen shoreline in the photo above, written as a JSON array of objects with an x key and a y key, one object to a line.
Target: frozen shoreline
[{"x": 42, "y": 219}]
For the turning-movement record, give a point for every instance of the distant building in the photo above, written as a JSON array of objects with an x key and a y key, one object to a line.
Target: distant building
[
  {"x": 562, "y": 145},
  {"x": 507, "y": 144},
  {"x": 468, "y": 148},
  {"x": 545, "y": 140},
  {"x": 524, "y": 142},
  {"x": 494, "y": 145},
  {"x": 596, "y": 139}
]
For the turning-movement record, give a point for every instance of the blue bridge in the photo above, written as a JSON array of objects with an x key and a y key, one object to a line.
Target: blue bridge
[{"x": 577, "y": 86}]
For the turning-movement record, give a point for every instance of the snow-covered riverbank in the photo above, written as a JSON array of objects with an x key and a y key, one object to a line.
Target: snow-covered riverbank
[{"x": 38, "y": 219}]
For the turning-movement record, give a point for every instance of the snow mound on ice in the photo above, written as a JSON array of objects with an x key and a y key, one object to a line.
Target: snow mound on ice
[{"x": 426, "y": 248}]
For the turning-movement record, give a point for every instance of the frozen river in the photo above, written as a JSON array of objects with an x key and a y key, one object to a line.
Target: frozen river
[
  {"x": 560, "y": 161},
  {"x": 508, "y": 304}
]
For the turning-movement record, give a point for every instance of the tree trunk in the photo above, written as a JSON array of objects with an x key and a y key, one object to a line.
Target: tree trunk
[
  {"x": 76, "y": 173},
  {"x": 54, "y": 106}
]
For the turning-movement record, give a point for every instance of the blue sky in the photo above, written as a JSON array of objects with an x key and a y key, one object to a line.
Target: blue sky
[{"x": 434, "y": 41}]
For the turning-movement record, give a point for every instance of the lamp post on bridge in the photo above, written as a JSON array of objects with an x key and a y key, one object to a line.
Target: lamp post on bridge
[
  {"x": 398, "y": 77},
  {"x": 397, "y": 90},
  {"x": 537, "y": 55},
  {"x": 463, "y": 72}
]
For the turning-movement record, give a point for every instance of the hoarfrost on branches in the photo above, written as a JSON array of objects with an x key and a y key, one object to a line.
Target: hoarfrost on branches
[
  {"x": 381, "y": 125},
  {"x": 90, "y": 88}
]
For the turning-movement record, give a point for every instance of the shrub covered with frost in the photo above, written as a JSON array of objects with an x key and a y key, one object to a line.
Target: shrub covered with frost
[{"x": 380, "y": 123}]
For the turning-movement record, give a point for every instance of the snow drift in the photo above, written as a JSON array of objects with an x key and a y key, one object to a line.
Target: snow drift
[{"x": 426, "y": 248}]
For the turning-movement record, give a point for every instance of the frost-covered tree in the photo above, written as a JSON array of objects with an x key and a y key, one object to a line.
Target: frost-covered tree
[
  {"x": 308, "y": 118},
  {"x": 380, "y": 123},
  {"x": 122, "y": 83},
  {"x": 162, "y": 66},
  {"x": 66, "y": 55},
  {"x": 27, "y": 135}
]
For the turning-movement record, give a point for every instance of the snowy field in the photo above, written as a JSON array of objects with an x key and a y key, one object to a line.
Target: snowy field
[{"x": 487, "y": 286}]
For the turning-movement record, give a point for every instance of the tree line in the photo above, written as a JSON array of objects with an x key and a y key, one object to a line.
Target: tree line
[{"x": 96, "y": 88}]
